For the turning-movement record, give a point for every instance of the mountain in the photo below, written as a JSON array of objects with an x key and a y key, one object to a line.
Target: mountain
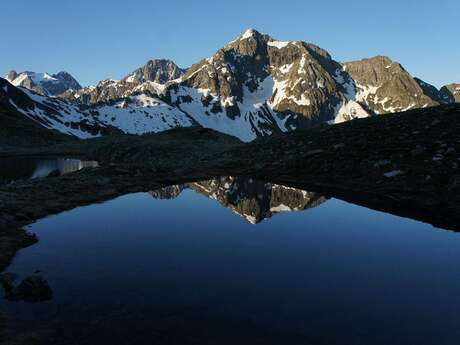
[
  {"x": 44, "y": 83},
  {"x": 136, "y": 114},
  {"x": 159, "y": 71},
  {"x": 256, "y": 85},
  {"x": 384, "y": 86},
  {"x": 451, "y": 93},
  {"x": 151, "y": 77},
  {"x": 17, "y": 130},
  {"x": 253, "y": 86}
]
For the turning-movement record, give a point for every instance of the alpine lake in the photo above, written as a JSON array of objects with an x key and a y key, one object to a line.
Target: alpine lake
[{"x": 231, "y": 260}]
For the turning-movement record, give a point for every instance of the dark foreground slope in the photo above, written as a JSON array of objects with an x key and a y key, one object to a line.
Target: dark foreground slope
[
  {"x": 16, "y": 129},
  {"x": 406, "y": 164}
]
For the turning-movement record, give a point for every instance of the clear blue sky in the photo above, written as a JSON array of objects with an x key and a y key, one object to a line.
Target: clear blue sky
[{"x": 99, "y": 39}]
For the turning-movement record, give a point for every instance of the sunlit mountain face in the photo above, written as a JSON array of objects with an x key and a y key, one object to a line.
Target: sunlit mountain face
[{"x": 251, "y": 199}]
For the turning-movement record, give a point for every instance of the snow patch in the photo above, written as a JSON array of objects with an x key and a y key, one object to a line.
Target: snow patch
[
  {"x": 392, "y": 173},
  {"x": 131, "y": 78},
  {"x": 348, "y": 85},
  {"x": 302, "y": 65},
  {"x": 364, "y": 91},
  {"x": 280, "y": 91},
  {"x": 143, "y": 114},
  {"x": 278, "y": 44},
  {"x": 348, "y": 110},
  {"x": 247, "y": 34},
  {"x": 280, "y": 208},
  {"x": 286, "y": 68}
]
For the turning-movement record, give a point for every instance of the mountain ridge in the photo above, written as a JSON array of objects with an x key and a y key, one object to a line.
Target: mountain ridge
[
  {"x": 44, "y": 83},
  {"x": 253, "y": 86}
]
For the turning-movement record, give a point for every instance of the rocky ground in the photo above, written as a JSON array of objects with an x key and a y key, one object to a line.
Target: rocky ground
[{"x": 406, "y": 164}]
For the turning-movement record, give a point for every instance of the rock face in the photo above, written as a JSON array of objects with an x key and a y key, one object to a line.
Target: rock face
[
  {"x": 159, "y": 71},
  {"x": 384, "y": 86},
  {"x": 150, "y": 78},
  {"x": 451, "y": 93},
  {"x": 431, "y": 91},
  {"x": 254, "y": 86},
  {"x": 44, "y": 83},
  {"x": 166, "y": 193}
]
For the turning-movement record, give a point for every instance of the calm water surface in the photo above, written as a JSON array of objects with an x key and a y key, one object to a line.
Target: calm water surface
[
  {"x": 236, "y": 261},
  {"x": 23, "y": 168}
]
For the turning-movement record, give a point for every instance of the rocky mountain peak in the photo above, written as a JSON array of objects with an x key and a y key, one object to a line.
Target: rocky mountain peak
[
  {"x": 159, "y": 71},
  {"x": 43, "y": 83},
  {"x": 255, "y": 85},
  {"x": 432, "y": 92},
  {"x": 384, "y": 86},
  {"x": 11, "y": 75},
  {"x": 271, "y": 85},
  {"x": 451, "y": 93},
  {"x": 375, "y": 70},
  {"x": 150, "y": 78}
]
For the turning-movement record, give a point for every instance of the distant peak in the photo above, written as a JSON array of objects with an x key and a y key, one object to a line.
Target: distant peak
[{"x": 11, "y": 75}]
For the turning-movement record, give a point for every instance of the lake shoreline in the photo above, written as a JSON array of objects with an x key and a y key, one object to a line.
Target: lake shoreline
[{"x": 388, "y": 163}]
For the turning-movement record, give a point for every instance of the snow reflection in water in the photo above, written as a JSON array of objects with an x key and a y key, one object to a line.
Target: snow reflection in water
[
  {"x": 23, "y": 168},
  {"x": 61, "y": 166},
  {"x": 185, "y": 264}
]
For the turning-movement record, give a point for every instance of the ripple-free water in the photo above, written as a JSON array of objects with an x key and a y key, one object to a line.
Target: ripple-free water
[
  {"x": 23, "y": 168},
  {"x": 176, "y": 267}
]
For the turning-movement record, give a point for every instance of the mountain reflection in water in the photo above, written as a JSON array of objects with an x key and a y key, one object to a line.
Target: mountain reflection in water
[
  {"x": 140, "y": 270},
  {"x": 252, "y": 199}
]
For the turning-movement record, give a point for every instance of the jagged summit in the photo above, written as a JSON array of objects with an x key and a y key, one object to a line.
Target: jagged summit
[
  {"x": 384, "y": 86},
  {"x": 253, "y": 86},
  {"x": 451, "y": 93},
  {"x": 150, "y": 78},
  {"x": 249, "y": 34},
  {"x": 43, "y": 83},
  {"x": 156, "y": 70}
]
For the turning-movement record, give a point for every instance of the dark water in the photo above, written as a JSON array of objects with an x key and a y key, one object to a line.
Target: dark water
[
  {"x": 274, "y": 266},
  {"x": 22, "y": 168}
]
